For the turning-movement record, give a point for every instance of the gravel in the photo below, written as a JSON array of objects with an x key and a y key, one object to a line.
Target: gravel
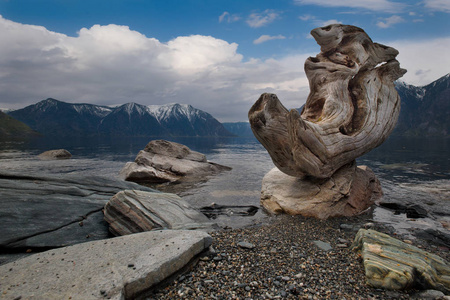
[{"x": 284, "y": 263}]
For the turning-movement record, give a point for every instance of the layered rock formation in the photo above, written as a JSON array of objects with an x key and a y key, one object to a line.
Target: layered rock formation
[
  {"x": 164, "y": 161},
  {"x": 133, "y": 211},
  {"x": 352, "y": 108},
  {"x": 392, "y": 264}
]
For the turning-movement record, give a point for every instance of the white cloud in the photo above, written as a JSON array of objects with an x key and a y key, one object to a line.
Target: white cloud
[
  {"x": 329, "y": 22},
  {"x": 425, "y": 60},
  {"x": 388, "y": 22},
  {"x": 375, "y": 5},
  {"x": 307, "y": 17},
  {"x": 256, "y": 20},
  {"x": 113, "y": 64},
  {"x": 265, "y": 38},
  {"x": 227, "y": 17},
  {"x": 438, "y": 5}
]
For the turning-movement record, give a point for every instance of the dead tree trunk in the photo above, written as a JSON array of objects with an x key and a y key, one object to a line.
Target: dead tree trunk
[{"x": 352, "y": 106}]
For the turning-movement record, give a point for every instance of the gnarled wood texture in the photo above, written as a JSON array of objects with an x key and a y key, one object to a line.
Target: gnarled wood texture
[{"x": 352, "y": 106}]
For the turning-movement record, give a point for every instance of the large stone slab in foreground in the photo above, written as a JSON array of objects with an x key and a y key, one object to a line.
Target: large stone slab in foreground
[
  {"x": 118, "y": 268},
  {"x": 132, "y": 211},
  {"x": 392, "y": 264}
]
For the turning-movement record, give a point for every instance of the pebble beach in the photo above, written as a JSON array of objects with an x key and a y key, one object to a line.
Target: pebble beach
[{"x": 293, "y": 257}]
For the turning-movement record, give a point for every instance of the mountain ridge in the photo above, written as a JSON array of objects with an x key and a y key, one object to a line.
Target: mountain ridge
[{"x": 53, "y": 117}]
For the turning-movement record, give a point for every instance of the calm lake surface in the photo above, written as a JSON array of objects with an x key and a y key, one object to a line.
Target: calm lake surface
[{"x": 410, "y": 169}]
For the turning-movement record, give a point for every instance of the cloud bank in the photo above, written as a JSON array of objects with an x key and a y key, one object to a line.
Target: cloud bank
[{"x": 111, "y": 65}]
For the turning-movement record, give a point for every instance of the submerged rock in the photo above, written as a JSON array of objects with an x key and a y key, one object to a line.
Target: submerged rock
[
  {"x": 120, "y": 268},
  {"x": 132, "y": 211},
  {"x": 164, "y": 161},
  {"x": 395, "y": 265},
  {"x": 55, "y": 154}
]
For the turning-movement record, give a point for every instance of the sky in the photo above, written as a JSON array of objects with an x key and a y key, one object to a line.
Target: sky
[{"x": 216, "y": 55}]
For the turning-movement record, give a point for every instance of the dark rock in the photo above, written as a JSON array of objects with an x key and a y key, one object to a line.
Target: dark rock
[
  {"x": 397, "y": 207},
  {"x": 434, "y": 235},
  {"x": 416, "y": 211},
  {"x": 41, "y": 212},
  {"x": 214, "y": 210}
]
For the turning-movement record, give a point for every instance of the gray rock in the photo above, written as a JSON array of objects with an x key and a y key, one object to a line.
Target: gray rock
[
  {"x": 429, "y": 294},
  {"x": 246, "y": 245},
  {"x": 119, "y": 268},
  {"x": 132, "y": 211},
  {"x": 50, "y": 211},
  {"x": 164, "y": 161},
  {"x": 55, "y": 154},
  {"x": 395, "y": 265},
  {"x": 323, "y": 245}
]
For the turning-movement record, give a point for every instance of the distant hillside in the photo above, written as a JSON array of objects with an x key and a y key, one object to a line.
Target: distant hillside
[
  {"x": 425, "y": 110},
  {"x": 56, "y": 118},
  {"x": 12, "y": 128}
]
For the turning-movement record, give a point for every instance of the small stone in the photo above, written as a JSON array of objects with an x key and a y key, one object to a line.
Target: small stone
[
  {"x": 323, "y": 245},
  {"x": 246, "y": 245}
]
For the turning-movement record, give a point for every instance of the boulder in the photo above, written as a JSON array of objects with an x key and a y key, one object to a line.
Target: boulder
[
  {"x": 42, "y": 212},
  {"x": 55, "y": 154},
  {"x": 392, "y": 264},
  {"x": 132, "y": 211},
  {"x": 164, "y": 161},
  {"x": 120, "y": 268},
  {"x": 350, "y": 191}
]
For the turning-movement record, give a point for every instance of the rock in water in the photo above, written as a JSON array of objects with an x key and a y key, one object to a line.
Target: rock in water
[
  {"x": 164, "y": 161},
  {"x": 392, "y": 264},
  {"x": 55, "y": 154},
  {"x": 132, "y": 211},
  {"x": 120, "y": 268},
  {"x": 348, "y": 192}
]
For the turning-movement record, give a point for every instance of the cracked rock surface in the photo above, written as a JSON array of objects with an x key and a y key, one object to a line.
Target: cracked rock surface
[{"x": 43, "y": 212}]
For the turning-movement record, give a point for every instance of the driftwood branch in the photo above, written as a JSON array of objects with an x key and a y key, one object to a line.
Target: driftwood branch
[{"x": 352, "y": 106}]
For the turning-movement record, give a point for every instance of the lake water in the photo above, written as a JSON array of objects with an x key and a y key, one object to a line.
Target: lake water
[{"x": 411, "y": 171}]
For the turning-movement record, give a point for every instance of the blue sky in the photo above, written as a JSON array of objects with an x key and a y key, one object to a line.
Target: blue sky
[{"x": 216, "y": 55}]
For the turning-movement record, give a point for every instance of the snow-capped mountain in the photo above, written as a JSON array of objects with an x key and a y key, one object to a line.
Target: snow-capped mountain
[
  {"x": 424, "y": 110},
  {"x": 56, "y": 118}
]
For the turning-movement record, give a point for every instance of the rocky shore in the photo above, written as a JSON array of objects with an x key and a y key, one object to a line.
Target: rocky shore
[{"x": 288, "y": 259}]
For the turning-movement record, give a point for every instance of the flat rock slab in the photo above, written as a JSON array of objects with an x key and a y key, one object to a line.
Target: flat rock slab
[
  {"x": 118, "y": 268},
  {"x": 53, "y": 211},
  {"x": 395, "y": 265}
]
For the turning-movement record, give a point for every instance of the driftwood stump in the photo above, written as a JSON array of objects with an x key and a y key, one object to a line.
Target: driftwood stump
[{"x": 352, "y": 106}]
